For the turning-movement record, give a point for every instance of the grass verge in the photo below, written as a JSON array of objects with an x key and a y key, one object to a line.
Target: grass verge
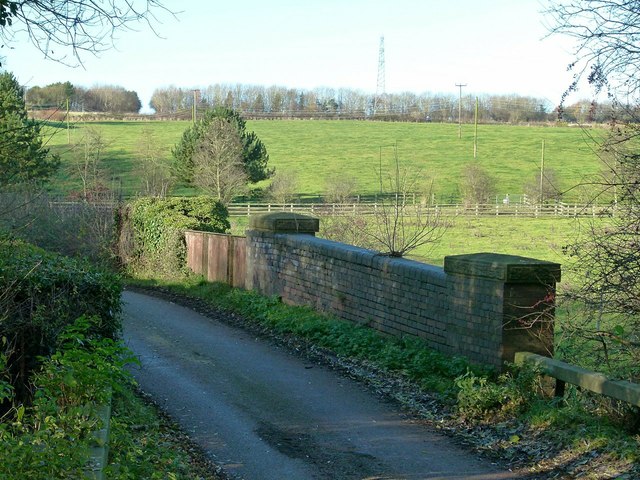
[{"x": 501, "y": 415}]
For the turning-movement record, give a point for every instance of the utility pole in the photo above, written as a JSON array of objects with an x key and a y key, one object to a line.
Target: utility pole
[
  {"x": 194, "y": 112},
  {"x": 475, "y": 133},
  {"x": 68, "y": 126},
  {"x": 460, "y": 85},
  {"x": 542, "y": 175},
  {"x": 380, "y": 84}
]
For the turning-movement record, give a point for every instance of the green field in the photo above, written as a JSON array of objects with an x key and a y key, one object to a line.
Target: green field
[
  {"x": 318, "y": 150},
  {"x": 315, "y": 151},
  {"x": 541, "y": 238}
]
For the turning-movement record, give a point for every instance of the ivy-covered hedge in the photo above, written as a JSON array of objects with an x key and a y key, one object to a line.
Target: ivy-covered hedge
[
  {"x": 41, "y": 294},
  {"x": 151, "y": 231}
]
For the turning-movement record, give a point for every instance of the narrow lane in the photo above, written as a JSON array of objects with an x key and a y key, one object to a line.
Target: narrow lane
[{"x": 265, "y": 414}]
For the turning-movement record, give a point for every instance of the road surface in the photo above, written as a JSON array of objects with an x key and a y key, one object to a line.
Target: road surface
[{"x": 265, "y": 414}]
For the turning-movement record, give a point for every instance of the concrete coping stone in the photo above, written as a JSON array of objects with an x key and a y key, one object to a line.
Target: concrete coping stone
[
  {"x": 505, "y": 268},
  {"x": 285, "y": 222}
]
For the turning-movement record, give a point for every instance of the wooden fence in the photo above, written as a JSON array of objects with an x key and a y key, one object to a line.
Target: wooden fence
[
  {"x": 448, "y": 210},
  {"x": 372, "y": 208},
  {"x": 592, "y": 381}
]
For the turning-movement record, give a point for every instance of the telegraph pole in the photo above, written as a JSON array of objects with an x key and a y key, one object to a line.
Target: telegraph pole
[
  {"x": 475, "y": 133},
  {"x": 542, "y": 175},
  {"x": 460, "y": 85},
  {"x": 68, "y": 126},
  {"x": 378, "y": 101},
  {"x": 195, "y": 99}
]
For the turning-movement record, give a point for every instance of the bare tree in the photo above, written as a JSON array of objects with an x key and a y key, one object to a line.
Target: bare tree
[
  {"x": 400, "y": 227},
  {"x": 284, "y": 187},
  {"x": 217, "y": 160},
  {"x": 341, "y": 223},
  {"x": 154, "y": 170},
  {"x": 543, "y": 187},
  {"x": 339, "y": 188},
  {"x": 607, "y": 35},
  {"x": 87, "y": 166},
  {"x": 607, "y": 257},
  {"x": 477, "y": 186},
  {"x": 348, "y": 227},
  {"x": 63, "y": 30}
]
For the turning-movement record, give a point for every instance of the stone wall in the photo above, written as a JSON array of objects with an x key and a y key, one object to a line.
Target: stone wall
[{"x": 482, "y": 306}]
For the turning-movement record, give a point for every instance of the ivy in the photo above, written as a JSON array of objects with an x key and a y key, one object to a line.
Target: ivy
[{"x": 152, "y": 231}]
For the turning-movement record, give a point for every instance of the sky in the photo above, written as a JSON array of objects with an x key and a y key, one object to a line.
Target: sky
[{"x": 492, "y": 46}]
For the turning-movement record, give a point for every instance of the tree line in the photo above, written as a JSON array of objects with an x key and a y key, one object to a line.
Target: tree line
[
  {"x": 101, "y": 98},
  {"x": 254, "y": 101},
  {"x": 277, "y": 101}
]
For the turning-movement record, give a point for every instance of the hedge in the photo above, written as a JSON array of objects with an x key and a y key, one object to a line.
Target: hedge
[{"x": 151, "y": 231}]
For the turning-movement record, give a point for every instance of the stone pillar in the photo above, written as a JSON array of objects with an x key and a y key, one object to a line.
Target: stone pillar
[
  {"x": 266, "y": 236},
  {"x": 500, "y": 304}
]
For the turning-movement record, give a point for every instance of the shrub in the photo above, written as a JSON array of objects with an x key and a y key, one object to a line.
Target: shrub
[
  {"x": 50, "y": 438},
  {"x": 480, "y": 398},
  {"x": 152, "y": 231},
  {"x": 42, "y": 293}
]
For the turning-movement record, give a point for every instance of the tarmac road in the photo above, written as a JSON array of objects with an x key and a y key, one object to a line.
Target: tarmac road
[{"x": 265, "y": 414}]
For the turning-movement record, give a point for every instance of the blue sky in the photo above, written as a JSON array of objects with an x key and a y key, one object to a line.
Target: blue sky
[{"x": 493, "y": 46}]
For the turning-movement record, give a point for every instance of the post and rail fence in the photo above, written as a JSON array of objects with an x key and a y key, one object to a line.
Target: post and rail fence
[
  {"x": 446, "y": 210},
  {"x": 370, "y": 205},
  {"x": 585, "y": 379}
]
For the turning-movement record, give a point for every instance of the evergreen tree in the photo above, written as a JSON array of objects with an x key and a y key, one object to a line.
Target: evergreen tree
[
  {"x": 254, "y": 153},
  {"x": 23, "y": 159}
]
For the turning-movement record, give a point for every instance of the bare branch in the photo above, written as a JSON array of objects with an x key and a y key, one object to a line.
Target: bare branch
[{"x": 65, "y": 30}]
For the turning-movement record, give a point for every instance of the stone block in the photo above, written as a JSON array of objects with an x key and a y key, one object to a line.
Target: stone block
[
  {"x": 503, "y": 268},
  {"x": 284, "y": 222}
]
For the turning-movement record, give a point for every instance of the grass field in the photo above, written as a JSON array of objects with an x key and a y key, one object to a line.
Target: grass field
[
  {"x": 315, "y": 151},
  {"x": 540, "y": 238},
  {"x": 318, "y": 150}
]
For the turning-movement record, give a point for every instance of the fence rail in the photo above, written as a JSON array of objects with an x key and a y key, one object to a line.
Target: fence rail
[
  {"x": 445, "y": 210},
  {"x": 372, "y": 208},
  {"x": 586, "y": 379}
]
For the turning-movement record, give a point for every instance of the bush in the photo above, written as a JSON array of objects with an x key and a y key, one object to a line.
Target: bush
[
  {"x": 152, "y": 231},
  {"x": 51, "y": 437},
  {"x": 42, "y": 294},
  {"x": 481, "y": 398}
]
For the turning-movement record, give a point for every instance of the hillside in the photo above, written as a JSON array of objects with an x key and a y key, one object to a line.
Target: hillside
[{"x": 317, "y": 151}]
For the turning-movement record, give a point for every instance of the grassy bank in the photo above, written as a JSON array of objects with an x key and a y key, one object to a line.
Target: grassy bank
[{"x": 316, "y": 151}]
